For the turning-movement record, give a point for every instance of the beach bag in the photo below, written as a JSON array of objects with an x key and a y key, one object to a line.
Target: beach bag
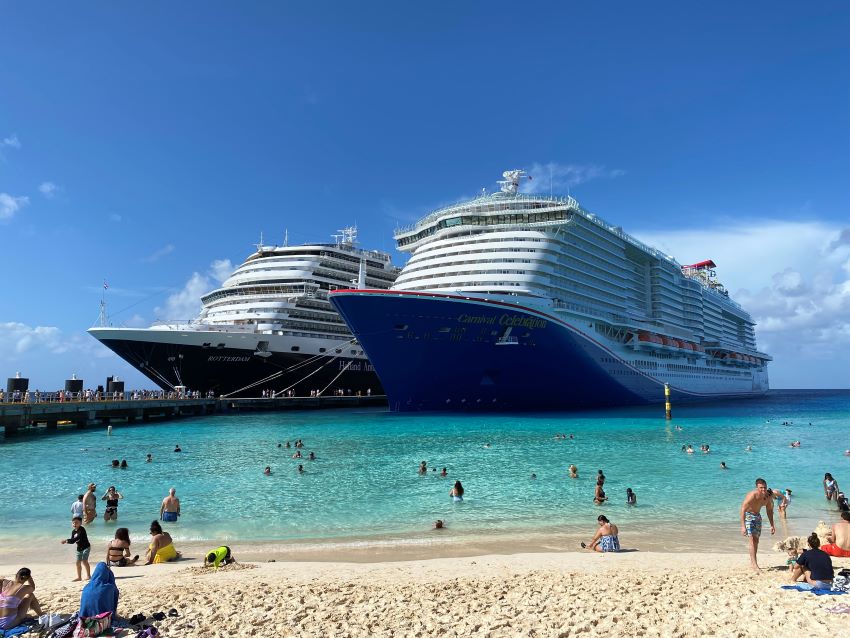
[
  {"x": 94, "y": 626},
  {"x": 65, "y": 628},
  {"x": 841, "y": 582}
]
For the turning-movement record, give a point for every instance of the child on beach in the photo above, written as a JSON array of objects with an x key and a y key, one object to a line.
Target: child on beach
[{"x": 81, "y": 538}]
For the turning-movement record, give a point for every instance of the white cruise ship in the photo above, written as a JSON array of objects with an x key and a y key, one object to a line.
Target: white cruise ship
[
  {"x": 520, "y": 301},
  {"x": 269, "y": 327}
]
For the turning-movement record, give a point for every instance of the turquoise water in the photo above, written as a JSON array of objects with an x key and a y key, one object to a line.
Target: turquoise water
[{"x": 364, "y": 484}]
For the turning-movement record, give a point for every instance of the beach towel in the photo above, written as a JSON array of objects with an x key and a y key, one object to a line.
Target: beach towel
[
  {"x": 809, "y": 588},
  {"x": 100, "y": 594},
  {"x": 15, "y": 631}
]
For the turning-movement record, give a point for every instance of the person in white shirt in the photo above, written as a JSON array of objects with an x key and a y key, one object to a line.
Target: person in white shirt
[{"x": 77, "y": 508}]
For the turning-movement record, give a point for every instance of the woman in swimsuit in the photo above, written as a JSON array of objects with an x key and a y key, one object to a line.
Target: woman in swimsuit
[
  {"x": 606, "y": 538},
  {"x": 830, "y": 486},
  {"x": 599, "y": 495},
  {"x": 118, "y": 549},
  {"x": 111, "y": 497},
  {"x": 17, "y": 597},
  {"x": 161, "y": 549},
  {"x": 456, "y": 492}
]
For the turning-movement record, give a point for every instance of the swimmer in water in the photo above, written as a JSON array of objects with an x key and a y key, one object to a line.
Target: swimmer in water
[
  {"x": 599, "y": 494},
  {"x": 301, "y": 469},
  {"x": 723, "y": 465},
  {"x": 846, "y": 452},
  {"x": 678, "y": 428},
  {"x": 312, "y": 456},
  {"x": 749, "y": 448},
  {"x": 533, "y": 475},
  {"x": 149, "y": 459},
  {"x": 631, "y": 497},
  {"x": 423, "y": 467},
  {"x": 457, "y": 492},
  {"x": 297, "y": 454},
  {"x": 267, "y": 471},
  {"x": 177, "y": 448},
  {"x": 439, "y": 524},
  {"x": 689, "y": 450},
  {"x": 486, "y": 445},
  {"x": 444, "y": 473},
  {"x": 573, "y": 471}
]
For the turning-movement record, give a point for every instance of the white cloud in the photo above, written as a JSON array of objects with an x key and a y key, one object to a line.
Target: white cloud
[
  {"x": 11, "y": 142},
  {"x": 47, "y": 356},
  {"x": 185, "y": 304},
  {"x": 793, "y": 278},
  {"x": 561, "y": 177},
  {"x": 9, "y": 205},
  {"x": 48, "y": 189},
  {"x": 159, "y": 254}
]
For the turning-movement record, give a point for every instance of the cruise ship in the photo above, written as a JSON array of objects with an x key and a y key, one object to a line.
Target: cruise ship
[
  {"x": 514, "y": 301},
  {"x": 269, "y": 328}
]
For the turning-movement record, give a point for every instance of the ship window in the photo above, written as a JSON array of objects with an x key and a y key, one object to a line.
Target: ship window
[
  {"x": 354, "y": 352},
  {"x": 338, "y": 350},
  {"x": 322, "y": 349},
  {"x": 295, "y": 348}
]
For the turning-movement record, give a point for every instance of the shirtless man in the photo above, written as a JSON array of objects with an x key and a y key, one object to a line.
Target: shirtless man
[
  {"x": 751, "y": 517},
  {"x": 839, "y": 538},
  {"x": 90, "y": 504},
  {"x": 170, "y": 508}
]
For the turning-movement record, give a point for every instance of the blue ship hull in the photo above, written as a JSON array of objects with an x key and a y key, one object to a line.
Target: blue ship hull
[{"x": 446, "y": 352}]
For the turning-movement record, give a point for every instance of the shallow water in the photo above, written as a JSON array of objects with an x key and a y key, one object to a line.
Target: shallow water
[{"x": 364, "y": 488}]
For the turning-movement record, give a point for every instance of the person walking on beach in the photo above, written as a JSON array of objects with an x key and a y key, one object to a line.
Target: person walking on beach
[
  {"x": 90, "y": 504},
  {"x": 170, "y": 508},
  {"x": 751, "y": 517},
  {"x": 81, "y": 538}
]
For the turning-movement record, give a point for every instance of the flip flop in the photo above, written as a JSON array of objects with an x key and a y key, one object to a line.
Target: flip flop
[
  {"x": 135, "y": 619},
  {"x": 583, "y": 545},
  {"x": 173, "y": 613},
  {"x": 158, "y": 615}
]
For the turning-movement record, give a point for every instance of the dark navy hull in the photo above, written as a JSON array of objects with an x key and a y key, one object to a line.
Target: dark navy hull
[
  {"x": 238, "y": 372},
  {"x": 445, "y": 352}
]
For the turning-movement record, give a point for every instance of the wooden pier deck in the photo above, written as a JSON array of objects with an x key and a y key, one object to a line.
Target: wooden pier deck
[{"x": 15, "y": 417}]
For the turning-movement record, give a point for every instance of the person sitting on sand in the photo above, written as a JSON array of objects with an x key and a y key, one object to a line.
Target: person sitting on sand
[
  {"x": 457, "y": 492},
  {"x": 118, "y": 550},
  {"x": 814, "y": 565},
  {"x": 839, "y": 538},
  {"x": 17, "y": 597},
  {"x": 100, "y": 595},
  {"x": 161, "y": 548},
  {"x": 631, "y": 497},
  {"x": 219, "y": 556},
  {"x": 606, "y": 538},
  {"x": 573, "y": 471},
  {"x": 599, "y": 494}
]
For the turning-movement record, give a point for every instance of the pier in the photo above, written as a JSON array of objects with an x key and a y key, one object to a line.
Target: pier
[{"x": 51, "y": 416}]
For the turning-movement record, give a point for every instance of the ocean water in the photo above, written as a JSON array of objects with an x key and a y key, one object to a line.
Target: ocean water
[{"x": 364, "y": 488}]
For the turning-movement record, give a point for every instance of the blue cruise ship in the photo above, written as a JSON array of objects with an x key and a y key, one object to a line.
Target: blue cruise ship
[{"x": 515, "y": 301}]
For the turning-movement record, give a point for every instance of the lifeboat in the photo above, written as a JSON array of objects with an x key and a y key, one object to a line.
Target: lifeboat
[
  {"x": 667, "y": 341},
  {"x": 648, "y": 339}
]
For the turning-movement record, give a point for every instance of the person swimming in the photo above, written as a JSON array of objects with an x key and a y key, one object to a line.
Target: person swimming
[
  {"x": 723, "y": 465},
  {"x": 267, "y": 471},
  {"x": 177, "y": 448},
  {"x": 631, "y": 497},
  {"x": 573, "y": 471}
]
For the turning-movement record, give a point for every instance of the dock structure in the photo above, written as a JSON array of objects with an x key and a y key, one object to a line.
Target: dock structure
[{"x": 20, "y": 417}]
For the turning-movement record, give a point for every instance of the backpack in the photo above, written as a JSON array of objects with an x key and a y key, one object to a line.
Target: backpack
[
  {"x": 841, "y": 582},
  {"x": 94, "y": 626}
]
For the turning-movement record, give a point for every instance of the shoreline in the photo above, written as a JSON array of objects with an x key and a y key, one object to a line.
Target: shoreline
[{"x": 533, "y": 594}]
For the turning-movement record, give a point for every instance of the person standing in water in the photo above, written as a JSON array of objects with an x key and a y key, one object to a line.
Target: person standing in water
[
  {"x": 170, "y": 508},
  {"x": 457, "y": 492}
]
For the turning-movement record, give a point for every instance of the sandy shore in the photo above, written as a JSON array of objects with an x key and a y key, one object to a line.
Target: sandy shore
[{"x": 551, "y": 594}]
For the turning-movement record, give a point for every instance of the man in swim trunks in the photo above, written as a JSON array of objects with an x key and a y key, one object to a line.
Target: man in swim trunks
[
  {"x": 170, "y": 508},
  {"x": 839, "y": 538},
  {"x": 90, "y": 504},
  {"x": 751, "y": 517}
]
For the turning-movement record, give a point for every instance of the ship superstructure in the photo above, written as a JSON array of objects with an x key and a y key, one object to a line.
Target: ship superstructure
[
  {"x": 531, "y": 301},
  {"x": 268, "y": 327}
]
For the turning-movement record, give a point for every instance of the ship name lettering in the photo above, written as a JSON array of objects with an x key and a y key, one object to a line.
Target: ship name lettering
[
  {"x": 214, "y": 358},
  {"x": 476, "y": 319},
  {"x": 521, "y": 322}
]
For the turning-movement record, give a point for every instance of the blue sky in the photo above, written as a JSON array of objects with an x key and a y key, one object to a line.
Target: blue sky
[{"x": 150, "y": 144}]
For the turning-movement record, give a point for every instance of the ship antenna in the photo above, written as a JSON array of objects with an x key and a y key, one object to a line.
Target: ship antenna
[
  {"x": 260, "y": 245},
  {"x": 286, "y": 237},
  {"x": 103, "y": 304}
]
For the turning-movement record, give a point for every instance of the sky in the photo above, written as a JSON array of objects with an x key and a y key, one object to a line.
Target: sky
[{"x": 150, "y": 144}]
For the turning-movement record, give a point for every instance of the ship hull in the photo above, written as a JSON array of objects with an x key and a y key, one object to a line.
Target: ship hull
[
  {"x": 446, "y": 352},
  {"x": 229, "y": 364}
]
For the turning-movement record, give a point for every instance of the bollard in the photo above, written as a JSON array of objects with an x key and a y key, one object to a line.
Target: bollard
[{"x": 668, "y": 413}]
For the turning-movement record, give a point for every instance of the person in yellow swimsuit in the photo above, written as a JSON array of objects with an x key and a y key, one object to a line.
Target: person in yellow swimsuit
[{"x": 161, "y": 548}]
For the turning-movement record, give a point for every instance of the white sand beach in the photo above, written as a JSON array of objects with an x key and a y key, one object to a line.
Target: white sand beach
[{"x": 541, "y": 594}]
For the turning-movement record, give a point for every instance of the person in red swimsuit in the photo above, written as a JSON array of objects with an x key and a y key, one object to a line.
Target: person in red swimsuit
[{"x": 839, "y": 538}]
